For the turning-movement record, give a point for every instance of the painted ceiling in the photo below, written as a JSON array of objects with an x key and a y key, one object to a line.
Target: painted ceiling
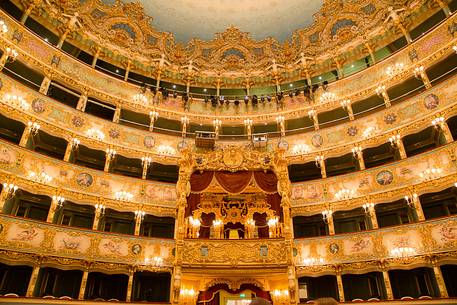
[{"x": 187, "y": 19}]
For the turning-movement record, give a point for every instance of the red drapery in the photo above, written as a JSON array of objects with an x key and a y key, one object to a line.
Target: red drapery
[
  {"x": 210, "y": 296},
  {"x": 233, "y": 183}
]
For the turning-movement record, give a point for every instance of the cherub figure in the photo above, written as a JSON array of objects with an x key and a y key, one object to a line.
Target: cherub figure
[
  {"x": 274, "y": 66},
  {"x": 190, "y": 67},
  {"x": 162, "y": 62}
]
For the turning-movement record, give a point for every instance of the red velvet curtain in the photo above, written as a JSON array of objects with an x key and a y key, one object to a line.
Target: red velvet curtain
[
  {"x": 207, "y": 222},
  {"x": 211, "y": 297},
  {"x": 262, "y": 225},
  {"x": 266, "y": 181},
  {"x": 234, "y": 182},
  {"x": 200, "y": 181}
]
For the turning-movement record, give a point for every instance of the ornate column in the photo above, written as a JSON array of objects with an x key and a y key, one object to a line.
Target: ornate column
[
  {"x": 127, "y": 69},
  {"x": 44, "y": 87},
  {"x": 7, "y": 192},
  {"x": 72, "y": 145},
  {"x": 130, "y": 285},
  {"x": 440, "y": 124},
  {"x": 31, "y": 129},
  {"x": 382, "y": 92},
  {"x": 371, "y": 213},
  {"x": 320, "y": 163},
  {"x": 248, "y": 126},
  {"x": 98, "y": 50},
  {"x": 82, "y": 288},
  {"x": 110, "y": 154},
  {"x": 397, "y": 143},
  {"x": 385, "y": 276},
  {"x": 371, "y": 52},
  {"x": 357, "y": 152},
  {"x": 139, "y": 216},
  {"x": 444, "y": 7},
  {"x": 99, "y": 212},
  {"x": 439, "y": 278},
  {"x": 153, "y": 115},
  {"x": 280, "y": 120},
  {"x": 328, "y": 219},
  {"x": 145, "y": 161},
  {"x": 346, "y": 104},
  {"x": 339, "y": 68},
  {"x": 82, "y": 102},
  {"x": 33, "y": 279},
  {"x": 57, "y": 202},
  {"x": 8, "y": 56},
  {"x": 339, "y": 282},
  {"x": 217, "y": 125},
  {"x": 284, "y": 189},
  {"x": 117, "y": 114},
  {"x": 419, "y": 73},
  {"x": 184, "y": 121},
  {"x": 312, "y": 114},
  {"x": 414, "y": 202}
]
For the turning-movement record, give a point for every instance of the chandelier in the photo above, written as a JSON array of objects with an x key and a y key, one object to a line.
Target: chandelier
[
  {"x": 16, "y": 102},
  {"x": 11, "y": 54},
  {"x": 59, "y": 200},
  {"x": 100, "y": 208},
  {"x": 300, "y": 149},
  {"x": 139, "y": 215},
  {"x": 344, "y": 194},
  {"x": 34, "y": 127},
  {"x": 96, "y": 134},
  {"x": 10, "y": 189},
  {"x": 326, "y": 215}
]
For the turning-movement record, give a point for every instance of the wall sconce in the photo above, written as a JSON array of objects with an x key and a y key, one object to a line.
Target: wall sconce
[
  {"x": 411, "y": 201},
  {"x": 10, "y": 189},
  {"x": 74, "y": 143},
  {"x": 194, "y": 224},
  {"x": 380, "y": 90},
  {"x": 187, "y": 296},
  {"x": 273, "y": 226},
  {"x": 110, "y": 153},
  {"x": 356, "y": 151},
  {"x": 217, "y": 123},
  {"x": 312, "y": 113},
  {"x": 368, "y": 207},
  {"x": 59, "y": 200},
  {"x": 42, "y": 177},
  {"x": 418, "y": 71},
  {"x": 3, "y": 27},
  {"x": 438, "y": 122},
  {"x": 369, "y": 132},
  {"x": 123, "y": 196},
  {"x": 146, "y": 161},
  {"x": 280, "y": 296},
  {"x": 394, "y": 140},
  {"x": 140, "y": 98},
  {"x": 248, "y": 122},
  {"x": 34, "y": 127},
  {"x": 96, "y": 134},
  {"x": 402, "y": 252},
  {"x": 344, "y": 194},
  {"x": 185, "y": 120},
  {"x": 431, "y": 173},
  {"x": 153, "y": 115},
  {"x": 280, "y": 119},
  {"x": 326, "y": 215},
  {"x": 454, "y": 48},
  {"x": 345, "y": 103},
  {"x": 395, "y": 69},
  {"x": 11, "y": 54},
  {"x": 319, "y": 159},
  {"x": 100, "y": 208},
  {"x": 139, "y": 215},
  {"x": 16, "y": 102}
]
